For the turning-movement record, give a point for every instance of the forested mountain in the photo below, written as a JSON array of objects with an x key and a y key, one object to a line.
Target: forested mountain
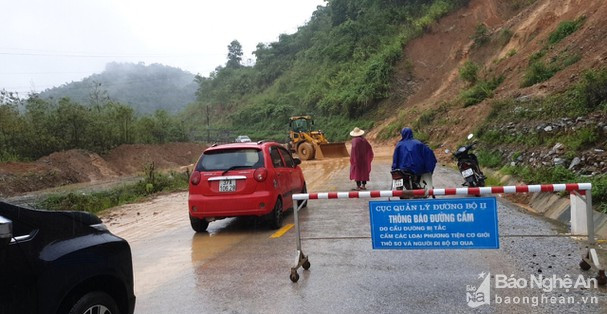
[
  {"x": 528, "y": 77},
  {"x": 145, "y": 88},
  {"x": 337, "y": 67}
]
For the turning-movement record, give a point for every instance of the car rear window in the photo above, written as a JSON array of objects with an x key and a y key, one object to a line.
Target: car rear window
[{"x": 243, "y": 158}]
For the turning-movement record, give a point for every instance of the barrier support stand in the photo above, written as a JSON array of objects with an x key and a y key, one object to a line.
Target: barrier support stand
[
  {"x": 301, "y": 260},
  {"x": 592, "y": 259}
]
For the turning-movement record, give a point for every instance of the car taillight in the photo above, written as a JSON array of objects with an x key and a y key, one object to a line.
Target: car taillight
[
  {"x": 195, "y": 178},
  {"x": 260, "y": 174}
]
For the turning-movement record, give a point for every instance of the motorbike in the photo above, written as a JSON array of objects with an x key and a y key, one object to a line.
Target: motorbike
[
  {"x": 405, "y": 179},
  {"x": 468, "y": 166}
]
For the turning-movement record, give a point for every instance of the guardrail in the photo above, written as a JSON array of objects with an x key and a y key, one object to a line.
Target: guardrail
[{"x": 580, "y": 195}]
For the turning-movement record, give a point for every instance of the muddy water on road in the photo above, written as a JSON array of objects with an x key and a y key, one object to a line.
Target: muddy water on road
[{"x": 165, "y": 248}]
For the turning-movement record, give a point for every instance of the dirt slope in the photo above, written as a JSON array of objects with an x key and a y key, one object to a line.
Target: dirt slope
[
  {"x": 432, "y": 61},
  {"x": 74, "y": 166}
]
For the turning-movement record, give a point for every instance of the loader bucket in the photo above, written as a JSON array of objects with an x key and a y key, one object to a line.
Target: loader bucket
[{"x": 331, "y": 150}]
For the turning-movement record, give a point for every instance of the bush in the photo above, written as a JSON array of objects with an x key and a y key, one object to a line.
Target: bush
[
  {"x": 504, "y": 36},
  {"x": 481, "y": 35},
  {"x": 538, "y": 72},
  {"x": 469, "y": 72},
  {"x": 593, "y": 88}
]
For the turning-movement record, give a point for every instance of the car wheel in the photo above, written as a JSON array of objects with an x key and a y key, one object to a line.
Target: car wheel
[
  {"x": 199, "y": 225},
  {"x": 95, "y": 302},
  {"x": 276, "y": 215},
  {"x": 305, "y": 151},
  {"x": 304, "y": 190}
]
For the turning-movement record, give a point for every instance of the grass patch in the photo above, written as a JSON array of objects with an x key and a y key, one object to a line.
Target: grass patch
[
  {"x": 492, "y": 180},
  {"x": 422, "y": 137},
  {"x": 480, "y": 91},
  {"x": 582, "y": 138},
  {"x": 98, "y": 201},
  {"x": 491, "y": 159},
  {"x": 560, "y": 174},
  {"x": 6, "y": 156},
  {"x": 565, "y": 29},
  {"x": 539, "y": 71},
  {"x": 393, "y": 128}
]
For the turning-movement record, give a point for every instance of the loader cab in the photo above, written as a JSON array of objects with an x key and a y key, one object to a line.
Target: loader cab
[{"x": 301, "y": 124}]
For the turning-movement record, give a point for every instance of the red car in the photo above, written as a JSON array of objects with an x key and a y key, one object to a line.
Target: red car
[{"x": 244, "y": 179}]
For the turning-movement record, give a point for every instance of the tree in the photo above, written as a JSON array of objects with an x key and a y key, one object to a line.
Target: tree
[
  {"x": 98, "y": 96},
  {"x": 125, "y": 116},
  {"x": 234, "y": 54},
  {"x": 74, "y": 121}
]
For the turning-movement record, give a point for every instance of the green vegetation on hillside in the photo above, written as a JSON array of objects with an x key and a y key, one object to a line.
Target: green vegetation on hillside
[
  {"x": 539, "y": 70},
  {"x": 337, "y": 67},
  {"x": 586, "y": 96},
  {"x": 36, "y": 127}
]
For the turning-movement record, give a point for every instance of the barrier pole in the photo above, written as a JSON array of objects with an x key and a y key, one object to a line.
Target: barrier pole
[{"x": 589, "y": 217}]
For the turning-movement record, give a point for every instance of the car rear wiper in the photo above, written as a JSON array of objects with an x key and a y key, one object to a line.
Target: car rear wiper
[{"x": 235, "y": 167}]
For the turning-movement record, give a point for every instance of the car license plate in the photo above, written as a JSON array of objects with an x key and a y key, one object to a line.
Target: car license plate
[
  {"x": 398, "y": 183},
  {"x": 227, "y": 186},
  {"x": 468, "y": 172}
]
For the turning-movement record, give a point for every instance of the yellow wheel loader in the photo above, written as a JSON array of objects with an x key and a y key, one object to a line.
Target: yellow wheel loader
[{"x": 310, "y": 144}]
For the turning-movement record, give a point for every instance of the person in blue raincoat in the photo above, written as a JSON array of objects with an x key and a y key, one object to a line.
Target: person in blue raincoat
[{"x": 413, "y": 155}]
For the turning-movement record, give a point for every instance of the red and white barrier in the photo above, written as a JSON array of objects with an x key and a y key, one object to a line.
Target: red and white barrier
[
  {"x": 569, "y": 187},
  {"x": 581, "y": 199},
  {"x": 582, "y": 222}
]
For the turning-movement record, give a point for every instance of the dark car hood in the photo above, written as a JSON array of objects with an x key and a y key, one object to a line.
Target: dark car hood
[{"x": 72, "y": 221}]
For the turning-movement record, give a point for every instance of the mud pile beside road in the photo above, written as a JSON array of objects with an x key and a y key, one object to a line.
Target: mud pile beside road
[{"x": 76, "y": 165}]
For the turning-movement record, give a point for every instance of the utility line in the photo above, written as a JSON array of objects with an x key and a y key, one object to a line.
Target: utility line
[
  {"x": 88, "y": 85},
  {"x": 70, "y": 55}
]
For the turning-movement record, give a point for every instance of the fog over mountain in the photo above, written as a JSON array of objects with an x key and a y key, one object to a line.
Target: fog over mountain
[{"x": 146, "y": 88}]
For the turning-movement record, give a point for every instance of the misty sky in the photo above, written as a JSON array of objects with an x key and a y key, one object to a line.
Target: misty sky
[{"x": 48, "y": 43}]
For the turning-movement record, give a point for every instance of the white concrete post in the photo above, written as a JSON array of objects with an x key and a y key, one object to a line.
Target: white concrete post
[{"x": 579, "y": 218}]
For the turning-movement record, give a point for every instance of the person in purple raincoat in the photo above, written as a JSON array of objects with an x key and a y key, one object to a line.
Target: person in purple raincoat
[{"x": 361, "y": 156}]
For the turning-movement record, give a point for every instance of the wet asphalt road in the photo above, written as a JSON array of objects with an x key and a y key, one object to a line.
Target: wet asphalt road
[{"x": 238, "y": 268}]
